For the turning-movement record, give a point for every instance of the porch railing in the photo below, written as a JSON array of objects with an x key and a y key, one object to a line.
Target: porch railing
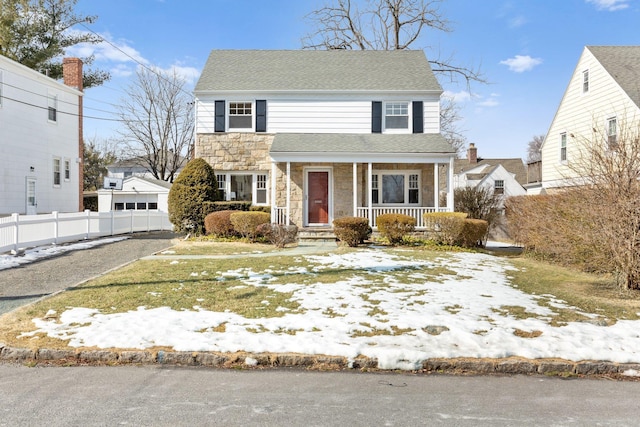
[{"x": 416, "y": 212}]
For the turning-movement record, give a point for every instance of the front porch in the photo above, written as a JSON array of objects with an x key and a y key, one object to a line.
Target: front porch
[{"x": 316, "y": 178}]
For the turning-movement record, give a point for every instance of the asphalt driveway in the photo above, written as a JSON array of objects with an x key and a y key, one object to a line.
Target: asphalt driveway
[{"x": 28, "y": 282}]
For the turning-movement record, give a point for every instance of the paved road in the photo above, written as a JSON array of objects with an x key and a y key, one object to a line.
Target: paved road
[
  {"x": 169, "y": 396},
  {"x": 29, "y": 282}
]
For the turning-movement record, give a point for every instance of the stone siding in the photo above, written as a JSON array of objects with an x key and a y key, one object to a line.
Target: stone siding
[{"x": 235, "y": 151}]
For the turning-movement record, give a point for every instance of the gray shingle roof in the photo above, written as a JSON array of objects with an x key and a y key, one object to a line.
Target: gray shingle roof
[
  {"x": 623, "y": 64},
  {"x": 317, "y": 70},
  {"x": 513, "y": 165},
  {"x": 424, "y": 143}
]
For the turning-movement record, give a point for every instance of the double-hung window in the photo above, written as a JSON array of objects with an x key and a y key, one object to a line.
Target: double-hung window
[
  {"x": 395, "y": 188},
  {"x": 240, "y": 115},
  {"x": 612, "y": 133},
  {"x": 56, "y": 171},
  {"x": 498, "y": 186},
  {"x": 53, "y": 108},
  {"x": 396, "y": 116},
  {"x": 563, "y": 147},
  {"x": 585, "y": 81},
  {"x": 247, "y": 187},
  {"x": 67, "y": 169}
]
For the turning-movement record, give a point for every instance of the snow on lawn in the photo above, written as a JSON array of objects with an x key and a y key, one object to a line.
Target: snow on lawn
[
  {"x": 41, "y": 252},
  {"x": 395, "y": 309}
]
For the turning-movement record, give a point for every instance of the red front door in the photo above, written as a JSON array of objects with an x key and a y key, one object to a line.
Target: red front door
[{"x": 318, "y": 201}]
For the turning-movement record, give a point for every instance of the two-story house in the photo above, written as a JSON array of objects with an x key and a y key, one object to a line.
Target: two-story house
[
  {"x": 319, "y": 135},
  {"x": 41, "y": 139},
  {"x": 602, "y": 99}
]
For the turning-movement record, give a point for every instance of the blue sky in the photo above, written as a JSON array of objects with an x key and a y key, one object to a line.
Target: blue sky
[{"x": 526, "y": 49}]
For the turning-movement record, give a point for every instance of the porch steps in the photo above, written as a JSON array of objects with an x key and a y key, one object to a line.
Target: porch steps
[{"x": 312, "y": 234}]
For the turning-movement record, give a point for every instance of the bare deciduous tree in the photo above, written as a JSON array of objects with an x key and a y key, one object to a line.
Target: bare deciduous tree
[
  {"x": 449, "y": 119},
  {"x": 384, "y": 25},
  {"x": 158, "y": 119},
  {"x": 534, "y": 148}
]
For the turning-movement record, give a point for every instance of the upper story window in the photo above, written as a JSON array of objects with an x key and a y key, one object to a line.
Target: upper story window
[
  {"x": 612, "y": 133},
  {"x": 56, "y": 171},
  {"x": 67, "y": 169},
  {"x": 498, "y": 186},
  {"x": 53, "y": 108},
  {"x": 563, "y": 147},
  {"x": 585, "y": 81},
  {"x": 240, "y": 115},
  {"x": 396, "y": 115}
]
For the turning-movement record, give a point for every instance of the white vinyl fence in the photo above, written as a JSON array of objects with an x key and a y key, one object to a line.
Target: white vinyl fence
[{"x": 25, "y": 231}]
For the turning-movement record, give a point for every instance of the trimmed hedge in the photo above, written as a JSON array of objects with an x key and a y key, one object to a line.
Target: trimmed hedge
[
  {"x": 447, "y": 226},
  {"x": 473, "y": 231},
  {"x": 192, "y": 188},
  {"x": 219, "y": 224},
  {"x": 351, "y": 230},
  {"x": 209, "y": 207},
  {"x": 246, "y": 223},
  {"x": 395, "y": 226}
]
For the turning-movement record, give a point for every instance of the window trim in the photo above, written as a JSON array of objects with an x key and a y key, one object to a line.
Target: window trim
[
  {"x": 563, "y": 147},
  {"x": 57, "y": 172},
  {"x": 252, "y": 116},
  {"x": 408, "y": 128},
  {"x": 498, "y": 186},
  {"x": 67, "y": 169},
  {"x": 407, "y": 173},
  {"x": 585, "y": 81},
  {"x": 612, "y": 146},
  {"x": 226, "y": 186},
  {"x": 52, "y": 108}
]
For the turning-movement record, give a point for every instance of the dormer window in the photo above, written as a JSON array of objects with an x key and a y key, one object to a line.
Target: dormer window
[
  {"x": 240, "y": 115},
  {"x": 585, "y": 81}
]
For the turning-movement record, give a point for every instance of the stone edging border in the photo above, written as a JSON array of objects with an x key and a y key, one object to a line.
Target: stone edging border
[{"x": 512, "y": 365}]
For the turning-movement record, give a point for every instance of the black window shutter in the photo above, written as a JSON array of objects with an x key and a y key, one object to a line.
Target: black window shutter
[
  {"x": 261, "y": 115},
  {"x": 220, "y": 110},
  {"x": 418, "y": 117},
  {"x": 376, "y": 117}
]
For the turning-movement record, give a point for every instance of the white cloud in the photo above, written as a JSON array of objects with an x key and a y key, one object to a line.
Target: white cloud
[
  {"x": 491, "y": 101},
  {"x": 457, "y": 97},
  {"x": 521, "y": 63},
  {"x": 610, "y": 5},
  {"x": 109, "y": 50},
  {"x": 518, "y": 21}
]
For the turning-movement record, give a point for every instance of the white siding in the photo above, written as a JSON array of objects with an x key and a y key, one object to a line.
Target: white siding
[
  {"x": 326, "y": 115},
  {"x": 578, "y": 114},
  {"x": 30, "y": 141}
]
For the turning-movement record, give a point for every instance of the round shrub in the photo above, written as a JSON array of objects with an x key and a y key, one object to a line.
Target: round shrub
[
  {"x": 219, "y": 224},
  {"x": 246, "y": 223},
  {"x": 278, "y": 234},
  {"x": 445, "y": 226},
  {"x": 195, "y": 185},
  {"x": 351, "y": 230},
  {"x": 473, "y": 232},
  {"x": 395, "y": 226}
]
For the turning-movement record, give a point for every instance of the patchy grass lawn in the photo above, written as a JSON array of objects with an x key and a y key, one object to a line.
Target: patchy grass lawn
[{"x": 358, "y": 297}]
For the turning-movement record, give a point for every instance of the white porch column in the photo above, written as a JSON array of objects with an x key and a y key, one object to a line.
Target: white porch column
[
  {"x": 436, "y": 185},
  {"x": 450, "y": 200},
  {"x": 369, "y": 195},
  {"x": 288, "y": 193},
  {"x": 274, "y": 169},
  {"x": 355, "y": 189}
]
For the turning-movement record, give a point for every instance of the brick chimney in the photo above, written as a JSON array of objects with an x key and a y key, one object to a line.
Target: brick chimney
[
  {"x": 72, "y": 76},
  {"x": 472, "y": 154}
]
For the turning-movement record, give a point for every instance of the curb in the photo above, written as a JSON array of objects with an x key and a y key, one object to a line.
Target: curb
[{"x": 460, "y": 366}]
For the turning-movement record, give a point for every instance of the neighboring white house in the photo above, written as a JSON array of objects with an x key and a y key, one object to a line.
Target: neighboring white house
[
  {"x": 319, "y": 135},
  {"x": 603, "y": 95},
  {"x": 505, "y": 177},
  {"x": 137, "y": 194},
  {"x": 41, "y": 139}
]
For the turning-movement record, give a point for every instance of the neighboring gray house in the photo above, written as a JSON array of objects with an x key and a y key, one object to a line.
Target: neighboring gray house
[{"x": 319, "y": 135}]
